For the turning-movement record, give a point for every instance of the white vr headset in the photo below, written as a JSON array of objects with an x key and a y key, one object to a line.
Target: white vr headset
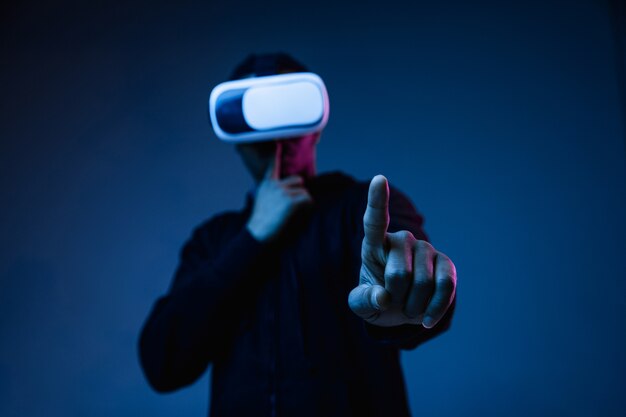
[{"x": 270, "y": 107}]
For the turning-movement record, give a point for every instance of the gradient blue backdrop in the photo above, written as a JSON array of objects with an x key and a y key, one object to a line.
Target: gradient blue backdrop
[{"x": 503, "y": 121}]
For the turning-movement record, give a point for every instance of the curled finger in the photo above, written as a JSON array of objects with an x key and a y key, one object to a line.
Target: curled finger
[
  {"x": 422, "y": 284},
  {"x": 445, "y": 290}
]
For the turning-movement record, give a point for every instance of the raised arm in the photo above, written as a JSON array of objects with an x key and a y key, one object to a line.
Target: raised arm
[{"x": 214, "y": 285}]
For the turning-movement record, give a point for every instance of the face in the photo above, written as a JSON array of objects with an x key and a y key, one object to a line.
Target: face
[{"x": 297, "y": 156}]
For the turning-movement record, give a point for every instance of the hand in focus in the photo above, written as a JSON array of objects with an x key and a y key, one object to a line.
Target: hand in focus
[
  {"x": 403, "y": 280},
  {"x": 276, "y": 201}
]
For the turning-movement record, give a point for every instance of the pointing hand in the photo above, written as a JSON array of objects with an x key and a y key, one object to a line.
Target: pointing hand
[{"x": 402, "y": 280}]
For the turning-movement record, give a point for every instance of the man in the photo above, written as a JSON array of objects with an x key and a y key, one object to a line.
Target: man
[{"x": 302, "y": 300}]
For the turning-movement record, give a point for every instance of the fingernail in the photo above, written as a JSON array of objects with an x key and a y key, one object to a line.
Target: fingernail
[
  {"x": 428, "y": 322},
  {"x": 376, "y": 303},
  {"x": 382, "y": 300}
]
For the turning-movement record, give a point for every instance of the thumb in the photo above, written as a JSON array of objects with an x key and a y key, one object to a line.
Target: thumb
[{"x": 367, "y": 301}]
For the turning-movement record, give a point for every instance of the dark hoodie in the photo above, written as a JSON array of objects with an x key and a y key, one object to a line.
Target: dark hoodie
[{"x": 274, "y": 320}]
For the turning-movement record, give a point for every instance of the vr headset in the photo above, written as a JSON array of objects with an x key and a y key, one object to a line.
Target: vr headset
[{"x": 269, "y": 107}]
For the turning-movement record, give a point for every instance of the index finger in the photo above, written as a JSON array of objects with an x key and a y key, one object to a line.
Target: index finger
[
  {"x": 376, "y": 218},
  {"x": 273, "y": 168}
]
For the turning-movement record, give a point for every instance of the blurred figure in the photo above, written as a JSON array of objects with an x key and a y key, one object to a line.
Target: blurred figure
[{"x": 302, "y": 299}]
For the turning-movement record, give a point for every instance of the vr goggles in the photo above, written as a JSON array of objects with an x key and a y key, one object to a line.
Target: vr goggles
[{"x": 269, "y": 107}]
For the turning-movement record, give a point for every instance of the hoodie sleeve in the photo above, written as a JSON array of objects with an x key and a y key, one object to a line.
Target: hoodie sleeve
[{"x": 190, "y": 324}]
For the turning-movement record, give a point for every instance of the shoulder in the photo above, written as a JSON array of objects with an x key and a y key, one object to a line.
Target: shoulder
[
  {"x": 218, "y": 221},
  {"x": 402, "y": 212},
  {"x": 212, "y": 232},
  {"x": 356, "y": 191}
]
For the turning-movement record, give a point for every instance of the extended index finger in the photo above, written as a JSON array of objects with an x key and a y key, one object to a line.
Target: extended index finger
[{"x": 376, "y": 218}]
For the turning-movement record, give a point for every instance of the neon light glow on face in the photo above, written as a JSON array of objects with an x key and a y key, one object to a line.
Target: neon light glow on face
[{"x": 298, "y": 155}]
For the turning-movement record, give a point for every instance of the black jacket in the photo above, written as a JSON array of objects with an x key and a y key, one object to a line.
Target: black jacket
[{"x": 273, "y": 319}]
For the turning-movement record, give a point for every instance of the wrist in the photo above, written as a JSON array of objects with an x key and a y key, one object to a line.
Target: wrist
[{"x": 256, "y": 231}]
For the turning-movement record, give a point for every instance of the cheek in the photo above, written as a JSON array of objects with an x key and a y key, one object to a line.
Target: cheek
[
  {"x": 295, "y": 155},
  {"x": 301, "y": 147}
]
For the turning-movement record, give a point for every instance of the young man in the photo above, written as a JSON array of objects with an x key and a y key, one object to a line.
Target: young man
[{"x": 301, "y": 300}]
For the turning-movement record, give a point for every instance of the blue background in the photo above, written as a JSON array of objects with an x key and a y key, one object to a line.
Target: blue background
[{"x": 503, "y": 121}]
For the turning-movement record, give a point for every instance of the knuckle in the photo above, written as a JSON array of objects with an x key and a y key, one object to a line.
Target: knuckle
[
  {"x": 423, "y": 246},
  {"x": 397, "y": 275},
  {"x": 422, "y": 279},
  {"x": 375, "y": 215},
  {"x": 370, "y": 255},
  {"x": 370, "y": 223},
  {"x": 442, "y": 257},
  {"x": 401, "y": 235},
  {"x": 452, "y": 269},
  {"x": 366, "y": 250},
  {"x": 403, "y": 238},
  {"x": 448, "y": 284}
]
